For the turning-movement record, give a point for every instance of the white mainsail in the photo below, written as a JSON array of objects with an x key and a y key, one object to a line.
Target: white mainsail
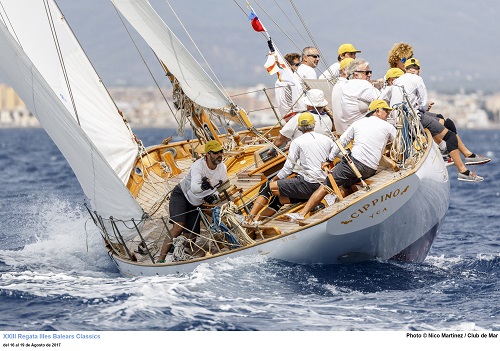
[
  {"x": 34, "y": 23},
  {"x": 194, "y": 81}
]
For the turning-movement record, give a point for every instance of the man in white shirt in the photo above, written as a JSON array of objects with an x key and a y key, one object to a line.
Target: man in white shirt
[
  {"x": 370, "y": 136},
  {"x": 308, "y": 151},
  {"x": 398, "y": 55},
  {"x": 315, "y": 103},
  {"x": 337, "y": 94},
  {"x": 288, "y": 93},
  {"x": 196, "y": 188},
  {"x": 413, "y": 86},
  {"x": 310, "y": 60},
  {"x": 357, "y": 93},
  {"x": 344, "y": 51}
]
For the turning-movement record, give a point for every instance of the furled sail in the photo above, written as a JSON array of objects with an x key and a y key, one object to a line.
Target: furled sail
[
  {"x": 194, "y": 81},
  {"x": 34, "y": 24}
]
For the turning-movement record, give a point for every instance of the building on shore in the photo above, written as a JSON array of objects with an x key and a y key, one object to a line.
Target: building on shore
[
  {"x": 13, "y": 112},
  {"x": 148, "y": 107}
]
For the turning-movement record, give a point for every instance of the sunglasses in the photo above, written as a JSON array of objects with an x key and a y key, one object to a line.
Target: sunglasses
[
  {"x": 365, "y": 72},
  {"x": 315, "y": 56},
  {"x": 403, "y": 60},
  {"x": 296, "y": 64},
  {"x": 216, "y": 152}
]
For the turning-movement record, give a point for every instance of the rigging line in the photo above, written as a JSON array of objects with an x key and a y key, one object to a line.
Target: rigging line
[
  {"x": 10, "y": 23},
  {"x": 280, "y": 28},
  {"x": 95, "y": 71},
  {"x": 143, "y": 60},
  {"x": 323, "y": 59},
  {"x": 161, "y": 92},
  {"x": 220, "y": 86},
  {"x": 61, "y": 59},
  {"x": 291, "y": 22}
]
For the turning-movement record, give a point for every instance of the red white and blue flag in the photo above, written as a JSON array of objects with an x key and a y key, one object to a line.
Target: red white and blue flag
[
  {"x": 256, "y": 25},
  {"x": 275, "y": 64}
]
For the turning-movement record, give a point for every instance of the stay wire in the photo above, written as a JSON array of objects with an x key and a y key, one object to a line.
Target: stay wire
[
  {"x": 144, "y": 61},
  {"x": 219, "y": 86},
  {"x": 61, "y": 59},
  {"x": 281, "y": 28},
  {"x": 309, "y": 33}
]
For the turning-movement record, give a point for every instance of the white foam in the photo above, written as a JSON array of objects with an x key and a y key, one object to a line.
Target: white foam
[{"x": 63, "y": 239}]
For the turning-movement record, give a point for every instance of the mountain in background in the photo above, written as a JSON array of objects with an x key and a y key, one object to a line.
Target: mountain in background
[{"x": 455, "y": 41}]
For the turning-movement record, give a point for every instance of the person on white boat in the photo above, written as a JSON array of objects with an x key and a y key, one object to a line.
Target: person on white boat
[
  {"x": 315, "y": 102},
  {"x": 196, "y": 188},
  {"x": 310, "y": 60},
  {"x": 398, "y": 55},
  {"x": 412, "y": 66},
  {"x": 310, "y": 149},
  {"x": 370, "y": 135},
  {"x": 337, "y": 93},
  {"x": 288, "y": 93},
  {"x": 357, "y": 93},
  {"x": 413, "y": 86},
  {"x": 344, "y": 51}
]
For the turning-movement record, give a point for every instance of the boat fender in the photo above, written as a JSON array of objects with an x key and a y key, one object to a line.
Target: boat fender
[
  {"x": 451, "y": 141},
  {"x": 448, "y": 123},
  {"x": 265, "y": 190}
]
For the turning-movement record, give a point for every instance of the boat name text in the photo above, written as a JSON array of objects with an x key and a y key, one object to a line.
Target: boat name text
[{"x": 378, "y": 200}]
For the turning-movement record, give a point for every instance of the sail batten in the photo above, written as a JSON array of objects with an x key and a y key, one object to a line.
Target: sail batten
[{"x": 193, "y": 80}]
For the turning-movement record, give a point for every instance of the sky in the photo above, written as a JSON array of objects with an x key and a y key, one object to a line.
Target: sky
[{"x": 455, "y": 41}]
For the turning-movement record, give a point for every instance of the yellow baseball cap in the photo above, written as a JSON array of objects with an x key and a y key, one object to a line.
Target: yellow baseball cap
[
  {"x": 345, "y": 62},
  {"x": 212, "y": 145},
  {"x": 306, "y": 119},
  {"x": 376, "y": 104},
  {"x": 394, "y": 73},
  {"x": 347, "y": 48},
  {"x": 412, "y": 61}
]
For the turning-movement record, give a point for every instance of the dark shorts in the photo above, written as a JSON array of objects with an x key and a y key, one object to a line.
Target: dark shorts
[
  {"x": 183, "y": 212},
  {"x": 296, "y": 188},
  {"x": 344, "y": 175},
  {"x": 431, "y": 121}
]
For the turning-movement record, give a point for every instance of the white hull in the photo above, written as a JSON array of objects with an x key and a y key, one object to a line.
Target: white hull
[{"x": 399, "y": 221}]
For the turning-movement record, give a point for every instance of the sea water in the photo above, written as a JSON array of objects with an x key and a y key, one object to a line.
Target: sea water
[{"x": 56, "y": 275}]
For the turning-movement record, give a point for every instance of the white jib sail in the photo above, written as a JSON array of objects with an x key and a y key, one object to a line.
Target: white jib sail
[
  {"x": 28, "y": 23},
  {"x": 194, "y": 81},
  {"x": 99, "y": 182}
]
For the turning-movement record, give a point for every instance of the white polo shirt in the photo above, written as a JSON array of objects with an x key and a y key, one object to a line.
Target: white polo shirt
[
  {"x": 310, "y": 150},
  {"x": 370, "y": 135},
  {"x": 337, "y": 104},
  {"x": 191, "y": 183},
  {"x": 332, "y": 72},
  {"x": 415, "y": 88},
  {"x": 357, "y": 94},
  {"x": 306, "y": 72}
]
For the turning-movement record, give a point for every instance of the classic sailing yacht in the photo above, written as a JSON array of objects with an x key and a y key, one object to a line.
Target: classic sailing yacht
[{"x": 128, "y": 186}]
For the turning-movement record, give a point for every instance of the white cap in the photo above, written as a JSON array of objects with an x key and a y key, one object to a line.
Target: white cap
[{"x": 314, "y": 97}]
